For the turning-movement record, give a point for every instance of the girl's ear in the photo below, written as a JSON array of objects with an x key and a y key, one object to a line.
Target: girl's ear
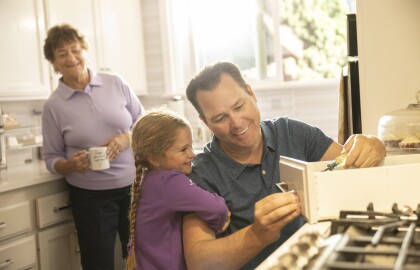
[{"x": 154, "y": 161}]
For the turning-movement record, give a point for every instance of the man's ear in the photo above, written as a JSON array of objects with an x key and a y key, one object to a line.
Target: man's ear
[{"x": 250, "y": 92}]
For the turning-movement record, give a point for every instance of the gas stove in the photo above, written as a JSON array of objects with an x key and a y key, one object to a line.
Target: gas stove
[
  {"x": 356, "y": 218},
  {"x": 365, "y": 240}
]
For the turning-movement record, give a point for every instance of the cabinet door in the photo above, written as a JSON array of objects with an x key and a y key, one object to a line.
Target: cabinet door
[
  {"x": 121, "y": 49},
  {"x": 114, "y": 32},
  {"x": 23, "y": 69},
  {"x": 80, "y": 14},
  {"x": 58, "y": 248}
]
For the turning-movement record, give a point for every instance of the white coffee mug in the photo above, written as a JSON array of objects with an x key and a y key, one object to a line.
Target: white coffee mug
[{"x": 98, "y": 159}]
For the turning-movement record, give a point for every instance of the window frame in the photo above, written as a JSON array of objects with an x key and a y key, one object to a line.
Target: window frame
[{"x": 180, "y": 63}]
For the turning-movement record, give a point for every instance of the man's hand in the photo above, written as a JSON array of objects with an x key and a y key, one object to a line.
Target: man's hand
[
  {"x": 272, "y": 214},
  {"x": 364, "y": 151},
  {"x": 203, "y": 250}
]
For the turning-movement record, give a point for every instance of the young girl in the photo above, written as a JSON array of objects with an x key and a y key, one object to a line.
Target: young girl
[{"x": 162, "y": 145}]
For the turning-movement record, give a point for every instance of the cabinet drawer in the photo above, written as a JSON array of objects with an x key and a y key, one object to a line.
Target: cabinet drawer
[
  {"x": 20, "y": 254},
  {"x": 53, "y": 209},
  {"x": 14, "y": 219}
]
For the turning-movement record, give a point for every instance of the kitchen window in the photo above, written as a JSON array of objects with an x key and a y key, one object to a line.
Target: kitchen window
[
  {"x": 268, "y": 39},
  {"x": 272, "y": 41}
]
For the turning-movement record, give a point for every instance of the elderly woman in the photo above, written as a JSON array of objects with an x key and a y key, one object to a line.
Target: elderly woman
[{"x": 90, "y": 109}]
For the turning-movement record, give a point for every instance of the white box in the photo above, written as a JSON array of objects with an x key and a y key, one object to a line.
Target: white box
[{"x": 324, "y": 194}]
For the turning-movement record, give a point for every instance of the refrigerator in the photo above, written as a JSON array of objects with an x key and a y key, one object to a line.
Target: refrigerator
[{"x": 384, "y": 60}]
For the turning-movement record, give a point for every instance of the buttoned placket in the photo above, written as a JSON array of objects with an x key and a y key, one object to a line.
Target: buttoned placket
[
  {"x": 91, "y": 102},
  {"x": 264, "y": 171}
]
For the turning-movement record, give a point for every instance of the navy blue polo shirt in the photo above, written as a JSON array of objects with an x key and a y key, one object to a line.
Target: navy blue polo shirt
[{"x": 242, "y": 185}]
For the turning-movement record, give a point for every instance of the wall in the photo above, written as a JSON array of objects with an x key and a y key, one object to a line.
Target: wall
[
  {"x": 388, "y": 36},
  {"x": 156, "y": 74},
  {"x": 315, "y": 104}
]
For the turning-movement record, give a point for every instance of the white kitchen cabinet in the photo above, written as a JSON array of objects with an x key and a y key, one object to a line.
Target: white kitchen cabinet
[
  {"x": 53, "y": 209},
  {"x": 114, "y": 32},
  {"x": 23, "y": 70},
  {"x": 19, "y": 230},
  {"x": 14, "y": 219},
  {"x": 19, "y": 254},
  {"x": 58, "y": 248}
]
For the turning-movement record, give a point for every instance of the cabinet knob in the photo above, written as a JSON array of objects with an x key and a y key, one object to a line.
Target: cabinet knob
[
  {"x": 6, "y": 263},
  {"x": 105, "y": 69},
  {"x": 3, "y": 225}
]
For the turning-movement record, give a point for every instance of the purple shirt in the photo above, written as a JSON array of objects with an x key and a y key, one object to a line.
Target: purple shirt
[
  {"x": 77, "y": 120},
  {"x": 165, "y": 196}
]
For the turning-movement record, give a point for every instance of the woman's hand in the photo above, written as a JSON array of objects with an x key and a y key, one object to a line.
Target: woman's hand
[
  {"x": 117, "y": 144},
  {"x": 79, "y": 162}
]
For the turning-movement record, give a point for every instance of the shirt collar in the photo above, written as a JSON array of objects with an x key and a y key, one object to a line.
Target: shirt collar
[
  {"x": 269, "y": 140},
  {"x": 67, "y": 92}
]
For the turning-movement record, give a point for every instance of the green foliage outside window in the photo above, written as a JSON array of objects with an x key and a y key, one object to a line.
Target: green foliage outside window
[{"x": 321, "y": 25}]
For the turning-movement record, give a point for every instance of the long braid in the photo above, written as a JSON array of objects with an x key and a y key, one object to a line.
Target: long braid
[
  {"x": 152, "y": 135},
  {"x": 135, "y": 195}
]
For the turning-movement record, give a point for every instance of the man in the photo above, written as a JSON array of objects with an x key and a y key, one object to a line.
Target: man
[{"x": 241, "y": 165}]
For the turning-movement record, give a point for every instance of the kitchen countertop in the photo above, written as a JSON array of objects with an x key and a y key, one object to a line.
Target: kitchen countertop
[{"x": 19, "y": 176}]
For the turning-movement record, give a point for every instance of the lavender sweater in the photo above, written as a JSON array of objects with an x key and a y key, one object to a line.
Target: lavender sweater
[
  {"x": 165, "y": 196},
  {"x": 76, "y": 120}
]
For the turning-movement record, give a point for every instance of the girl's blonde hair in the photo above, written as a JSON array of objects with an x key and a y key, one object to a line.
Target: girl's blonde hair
[{"x": 152, "y": 134}]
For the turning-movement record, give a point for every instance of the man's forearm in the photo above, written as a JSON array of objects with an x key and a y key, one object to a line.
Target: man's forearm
[
  {"x": 203, "y": 251},
  {"x": 271, "y": 214}
]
